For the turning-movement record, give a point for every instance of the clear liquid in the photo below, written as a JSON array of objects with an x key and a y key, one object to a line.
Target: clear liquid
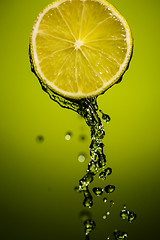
[{"x": 88, "y": 109}]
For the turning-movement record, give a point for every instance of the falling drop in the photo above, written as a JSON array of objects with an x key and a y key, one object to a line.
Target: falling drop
[
  {"x": 132, "y": 216},
  {"x": 104, "y": 217},
  {"x": 105, "y": 173},
  {"x": 120, "y": 235},
  {"x": 88, "y": 202},
  {"x": 106, "y": 118},
  {"x": 68, "y": 136},
  {"x": 81, "y": 157},
  {"x": 128, "y": 215},
  {"x": 98, "y": 191},
  {"x": 111, "y": 203},
  {"x": 104, "y": 200},
  {"x": 40, "y": 139},
  {"x": 124, "y": 206},
  {"x": 108, "y": 213},
  {"x": 109, "y": 188},
  {"x": 124, "y": 214},
  {"x": 89, "y": 226},
  {"x": 108, "y": 171},
  {"x": 108, "y": 238}
]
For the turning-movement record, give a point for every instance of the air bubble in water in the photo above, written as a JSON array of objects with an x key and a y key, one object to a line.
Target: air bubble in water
[
  {"x": 120, "y": 235},
  {"x": 40, "y": 139},
  {"x": 81, "y": 157},
  {"x": 109, "y": 188},
  {"x": 98, "y": 191},
  {"x": 68, "y": 136}
]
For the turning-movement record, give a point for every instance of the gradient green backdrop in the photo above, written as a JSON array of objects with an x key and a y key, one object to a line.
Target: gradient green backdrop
[{"x": 37, "y": 200}]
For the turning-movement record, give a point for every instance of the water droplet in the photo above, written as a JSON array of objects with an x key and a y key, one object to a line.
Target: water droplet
[
  {"x": 68, "y": 136},
  {"x": 108, "y": 171},
  {"x": 104, "y": 217},
  {"x": 104, "y": 200},
  {"x": 81, "y": 157},
  {"x": 124, "y": 214},
  {"x": 112, "y": 203},
  {"x": 124, "y": 206},
  {"x": 109, "y": 188},
  {"x": 105, "y": 173},
  {"x": 108, "y": 213},
  {"x": 40, "y": 139},
  {"x": 89, "y": 226},
  {"x": 128, "y": 215},
  {"x": 98, "y": 191},
  {"x": 88, "y": 202},
  {"x": 120, "y": 235},
  {"x": 108, "y": 238},
  {"x": 132, "y": 216},
  {"x": 106, "y": 118}
]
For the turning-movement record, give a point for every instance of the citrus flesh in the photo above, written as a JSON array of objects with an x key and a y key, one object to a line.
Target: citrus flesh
[{"x": 80, "y": 48}]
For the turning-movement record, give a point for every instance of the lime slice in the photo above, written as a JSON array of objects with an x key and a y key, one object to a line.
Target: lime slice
[{"x": 80, "y": 48}]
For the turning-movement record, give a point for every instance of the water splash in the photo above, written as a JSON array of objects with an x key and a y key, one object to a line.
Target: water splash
[{"x": 87, "y": 108}]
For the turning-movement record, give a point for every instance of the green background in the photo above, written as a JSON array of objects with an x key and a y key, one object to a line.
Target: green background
[{"x": 37, "y": 180}]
